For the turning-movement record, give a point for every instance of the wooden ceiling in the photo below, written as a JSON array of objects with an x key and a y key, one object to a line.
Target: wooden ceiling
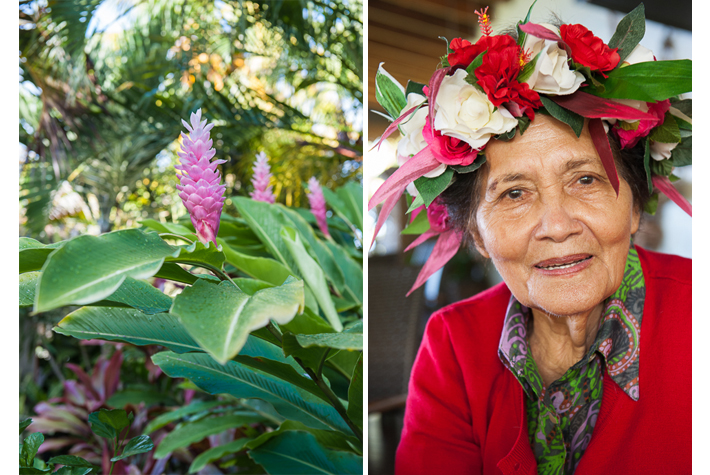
[{"x": 404, "y": 34}]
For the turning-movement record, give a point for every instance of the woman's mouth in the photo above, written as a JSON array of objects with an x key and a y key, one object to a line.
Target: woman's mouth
[{"x": 564, "y": 265}]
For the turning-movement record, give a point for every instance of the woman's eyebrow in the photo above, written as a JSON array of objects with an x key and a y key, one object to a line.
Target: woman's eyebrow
[
  {"x": 574, "y": 164},
  {"x": 507, "y": 178}
]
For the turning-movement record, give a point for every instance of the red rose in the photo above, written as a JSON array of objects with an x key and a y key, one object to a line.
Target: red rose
[
  {"x": 448, "y": 150},
  {"x": 438, "y": 216},
  {"x": 588, "y": 50},
  {"x": 629, "y": 138}
]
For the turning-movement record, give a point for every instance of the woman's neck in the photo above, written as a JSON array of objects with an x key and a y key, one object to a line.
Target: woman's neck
[{"x": 557, "y": 343}]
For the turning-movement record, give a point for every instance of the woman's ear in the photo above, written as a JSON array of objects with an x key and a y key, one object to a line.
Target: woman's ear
[
  {"x": 635, "y": 220},
  {"x": 478, "y": 243}
]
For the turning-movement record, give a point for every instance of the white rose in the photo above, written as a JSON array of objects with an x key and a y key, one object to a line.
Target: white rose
[
  {"x": 464, "y": 112},
  {"x": 661, "y": 151},
  {"x": 551, "y": 74},
  {"x": 411, "y": 127},
  {"x": 639, "y": 55}
]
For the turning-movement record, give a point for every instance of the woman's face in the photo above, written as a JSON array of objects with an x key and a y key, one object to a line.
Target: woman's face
[{"x": 550, "y": 220}]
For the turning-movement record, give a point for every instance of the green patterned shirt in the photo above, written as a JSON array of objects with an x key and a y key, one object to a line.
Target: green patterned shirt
[{"x": 561, "y": 418}]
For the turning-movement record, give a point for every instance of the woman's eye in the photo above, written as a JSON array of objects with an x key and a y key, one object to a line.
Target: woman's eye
[
  {"x": 514, "y": 194},
  {"x": 586, "y": 180}
]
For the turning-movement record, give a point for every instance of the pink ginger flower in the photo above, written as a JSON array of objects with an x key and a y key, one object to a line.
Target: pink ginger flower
[
  {"x": 260, "y": 180},
  {"x": 318, "y": 205},
  {"x": 199, "y": 178}
]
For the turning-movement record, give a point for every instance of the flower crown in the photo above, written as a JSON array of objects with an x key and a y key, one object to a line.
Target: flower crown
[{"x": 493, "y": 88}]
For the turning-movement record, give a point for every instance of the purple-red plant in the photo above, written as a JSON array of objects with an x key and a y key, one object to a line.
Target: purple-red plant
[
  {"x": 199, "y": 178},
  {"x": 260, "y": 180},
  {"x": 317, "y": 201}
]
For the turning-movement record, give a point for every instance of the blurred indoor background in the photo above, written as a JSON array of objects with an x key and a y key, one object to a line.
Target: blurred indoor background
[{"x": 404, "y": 34}]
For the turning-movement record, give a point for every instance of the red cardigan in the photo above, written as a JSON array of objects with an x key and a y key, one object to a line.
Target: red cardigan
[{"x": 466, "y": 412}]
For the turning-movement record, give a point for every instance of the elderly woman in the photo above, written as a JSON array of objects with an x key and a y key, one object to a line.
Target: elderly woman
[{"x": 580, "y": 361}]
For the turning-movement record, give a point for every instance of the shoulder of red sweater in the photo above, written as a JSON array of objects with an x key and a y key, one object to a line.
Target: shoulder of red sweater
[
  {"x": 665, "y": 266},
  {"x": 485, "y": 304}
]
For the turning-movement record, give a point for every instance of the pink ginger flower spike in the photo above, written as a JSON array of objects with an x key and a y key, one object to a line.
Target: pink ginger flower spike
[
  {"x": 199, "y": 178},
  {"x": 260, "y": 180},
  {"x": 317, "y": 201}
]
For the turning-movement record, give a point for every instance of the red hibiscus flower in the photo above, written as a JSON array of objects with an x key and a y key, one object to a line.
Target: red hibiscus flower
[
  {"x": 629, "y": 138},
  {"x": 588, "y": 50},
  {"x": 448, "y": 150},
  {"x": 465, "y": 51}
]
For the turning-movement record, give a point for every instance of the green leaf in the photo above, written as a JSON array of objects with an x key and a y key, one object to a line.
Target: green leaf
[
  {"x": 198, "y": 253},
  {"x": 528, "y": 69},
  {"x": 33, "y": 254},
  {"x": 629, "y": 32},
  {"x": 471, "y": 68},
  {"x": 685, "y": 106},
  {"x": 420, "y": 225},
  {"x": 668, "y": 132},
  {"x": 28, "y": 284},
  {"x": 430, "y": 188},
  {"x": 326, "y": 438},
  {"x": 139, "y": 394},
  {"x": 661, "y": 167},
  {"x": 649, "y": 81},
  {"x": 266, "y": 224},
  {"x": 311, "y": 357},
  {"x": 25, "y": 424},
  {"x": 312, "y": 274},
  {"x": 262, "y": 268},
  {"x": 320, "y": 251},
  {"x": 298, "y": 452},
  {"x": 652, "y": 204},
  {"x": 220, "y": 317},
  {"x": 352, "y": 270},
  {"x": 682, "y": 155},
  {"x": 574, "y": 120},
  {"x": 70, "y": 460},
  {"x": 128, "y": 325},
  {"x": 100, "y": 428},
  {"x": 172, "y": 271},
  {"x": 522, "y": 36},
  {"x": 137, "y": 445},
  {"x": 351, "y": 196},
  {"x": 355, "y": 395},
  {"x": 244, "y": 382},
  {"x": 414, "y": 87},
  {"x": 191, "y": 432},
  {"x": 32, "y": 471},
  {"x": 172, "y": 228},
  {"x": 647, "y": 163},
  {"x": 389, "y": 93},
  {"x": 67, "y": 470},
  {"x": 416, "y": 203},
  {"x": 29, "y": 449},
  {"x": 480, "y": 160},
  {"x": 174, "y": 415},
  {"x": 340, "y": 341},
  {"x": 88, "y": 268},
  {"x": 216, "y": 453},
  {"x": 308, "y": 323},
  {"x": 116, "y": 418}
]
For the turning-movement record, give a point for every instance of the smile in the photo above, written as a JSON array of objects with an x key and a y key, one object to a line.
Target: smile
[{"x": 562, "y": 263}]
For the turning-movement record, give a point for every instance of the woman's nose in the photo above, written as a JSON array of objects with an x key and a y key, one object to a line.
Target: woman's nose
[{"x": 557, "y": 220}]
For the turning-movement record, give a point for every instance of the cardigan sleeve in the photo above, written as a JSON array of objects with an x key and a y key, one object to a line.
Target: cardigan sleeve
[{"x": 437, "y": 435}]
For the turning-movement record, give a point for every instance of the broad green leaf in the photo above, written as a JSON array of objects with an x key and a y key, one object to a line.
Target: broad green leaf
[
  {"x": 420, "y": 225},
  {"x": 25, "y": 424},
  {"x": 308, "y": 323},
  {"x": 649, "y": 81},
  {"x": 340, "y": 341},
  {"x": 685, "y": 106},
  {"x": 326, "y": 438},
  {"x": 652, "y": 204},
  {"x": 430, "y": 188},
  {"x": 351, "y": 196},
  {"x": 683, "y": 153},
  {"x": 574, "y": 120},
  {"x": 480, "y": 160},
  {"x": 33, "y": 471},
  {"x": 198, "y": 253},
  {"x": 220, "y": 317},
  {"x": 262, "y": 268},
  {"x": 71, "y": 460},
  {"x": 629, "y": 32},
  {"x": 191, "y": 432},
  {"x": 171, "y": 228},
  {"x": 28, "y": 284},
  {"x": 251, "y": 286},
  {"x": 116, "y": 418},
  {"x": 265, "y": 223},
  {"x": 244, "y": 382},
  {"x": 416, "y": 203},
  {"x": 473, "y": 65},
  {"x": 137, "y": 445},
  {"x": 173, "y": 415},
  {"x": 668, "y": 132},
  {"x": 338, "y": 205},
  {"x": 29, "y": 449},
  {"x": 389, "y": 93},
  {"x": 88, "y": 268},
  {"x": 298, "y": 452},
  {"x": 172, "y": 271},
  {"x": 352, "y": 271},
  {"x": 33, "y": 253},
  {"x": 528, "y": 69},
  {"x": 216, "y": 453},
  {"x": 67, "y": 470},
  {"x": 522, "y": 36},
  {"x": 101, "y": 428},
  {"x": 355, "y": 395},
  {"x": 311, "y": 357},
  {"x": 128, "y": 325},
  {"x": 312, "y": 274},
  {"x": 150, "y": 396},
  {"x": 320, "y": 251}
]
